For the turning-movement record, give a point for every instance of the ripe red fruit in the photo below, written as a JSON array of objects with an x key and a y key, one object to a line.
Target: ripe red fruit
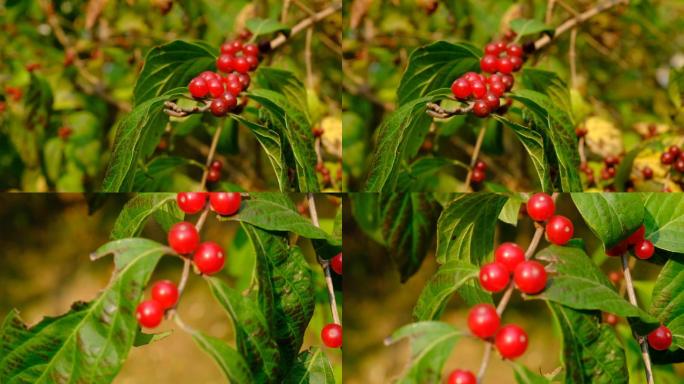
[
  {"x": 191, "y": 202},
  {"x": 504, "y": 65},
  {"x": 497, "y": 87},
  {"x": 660, "y": 339},
  {"x": 492, "y": 49},
  {"x": 209, "y": 75},
  {"x": 149, "y": 313},
  {"x": 494, "y": 277},
  {"x": 674, "y": 150},
  {"x": 481, "y": 108},
  {"x": 610, "y": 319},
  {"x": 215, "y": 87},
  {"x": 492, "y": 101},
  {"x": 165, "y": 293},
  {"x": 647, "y": 173},
  {"x": 637, "y": 236},
  {"x": 559, "y": 230},
  {"x": 614, "y": 277},
  {"x": 511, "y": 341},
  {"x": 237, "y": 45},
  {"x": 234, "y": 88},
  {"x": 461, "y": 88},
  {"x": 644, "y": 249},
  {"x": 336, "y": 263},
  {"x": 218, "y": 107},
  {"x": 229, "y": 48},
  {"x": 225, "y": 203},
  {"x": 478, "y": 88},
  {"x": 516, "y": 62},
  {"x": 253, "y": 62},
  {"x": 514, "y": 50},
  {"x": 508, "y": 81},
  {"x": 488, "y": 63},
  {"x": 477, "y": 176},
  {"x": 241, "y": 64},
  {"x": 209, "y": 258},
  {"x": 213, "y": 175},
  {"x": 460, "y": 376},
  {"x": 230, "y": 100},
  {"x": 224, "y": 63},
  {"x": 250, "y": 50},
  {"x": 331, "y": 335},
  {"x": 679, "y": 165},
  {"x": 183, "y": 237},
  {"x": 216, "y": 164},
  {"x": 540, "y": 207},
  {"x": 510, "y": 255},
  {"x": 244, "y": 80},
  {"x": 481, "y": 165},
  {"x": 530, "y": 277},
  {"x": 198, "y": 87},
  {"x": 471, "y": 76},
  {"x": 483, "y": 321},
  {"x": 667, "y": 158}
]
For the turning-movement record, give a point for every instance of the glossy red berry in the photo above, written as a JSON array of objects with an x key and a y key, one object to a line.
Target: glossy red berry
[
  {"x": 216, "y": 164},
  {"x": 511, "y": 341},
  {"x": 516, "y": 62},
  {"x": 460, "y": 376},
  {"x": 559, "y": 230},
  {"x": 494, "y": 277},
  {"x": 331, "y": 335},
  {"x": 504, "y": 65},
  {"x": 481, "y": 165},
  {"x": 477, "y": 176},
  {"x": 481, "y": 108},
  {"x": 218, "y": 107},
  {"x": 244, "y": 79},
  {"x": 637, "y": 236},
  {"x": 250, "y": 50},
  {"x": 540, "y": 207},
  {"x": 234, "y": 88},
  {"x": 610, "y": 319},
  {"x": 644, "y": 249},
  {"x": 229, "y": 48},
  {"x": 165, "y": 293},
  {"x": 215, "y": 87},
  {"x": 241, "y": 64},
  {"x": 492, "y": 101},
  {"x": 461, "y": 88},
  {"x": 647, "y": 173},
  {"x": 660, "y": 339},
  {"x": 213, "y": 175},
  {"x": 508, "y": 81},
  {"x": 198, "y": 87},
  {"x": 497, "y": 87},
  {"x": 679, "y": 165},
  {"x": 209, "y": 258},
  {"x": 674, "y": 150},
  {"x": 483, "y": 321},
  {"x": 488, "y": 63},
  {"x": 514, "y": 50},
  {"x": 225, "y": 203},
  {"x": 614, "y": 277},
  {"x": 149, "y": 313},
  {"x": 230, "y": 100},
  {"x": 530, "y": 277},
  {"x": 492, "y": 49},
  {"x": 336, "y": 263},
  {"x": 183, "y": 237},
  {"x": 253, "y": 62},
  {"x": 209, "y": 75},
  {"x": 667, "y": 158},
  {"x": 510, "y": 255},
  {"x": 224, "y": 63},
  {"x": 191, "y": 202}
]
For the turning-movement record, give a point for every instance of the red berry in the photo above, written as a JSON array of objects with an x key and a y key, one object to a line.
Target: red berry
[
  {"x": 461, "y": 88},
  {"x": 644, "y": 249},
  {"x": 477, "y": 176},
  {"x": 216, "y": 164},
  {"x": 559, "y": 230},
  {"x": 149, "y": 313},
  {"x": 225, "y": 203},
  {"x": 241, "y": 65},
  {"x": 250, "y": 50},
  {"x": 494, "y": 277},
  {"x": 511, "y": 341},
  {"x": 647, "y": 173},
  {"x": 614, "y": 277},
  {"x": 481, "y": 165},
  {"x": 514, "y": 50},
  {"x": 530, "y": 277},
  {"x": 660, "y": 339},
  {"x": 492, "y": 49},
  {"x": 234, "y": 88},
  {"x": 198, "y": 87},
  {"x": 481, "y": 108},
  {"x": 471, "y": 76},
  {"x": 667, "y": 158},
  {"x": 611, "y": 160},
  {"x": 336, "y": 263},
  {"x": 610, "y": 319},
  {"x": 191, "y": 202},
  {"x": 483, "y": 321},
  {"x": 224, "y": 63},
  {"x": 674, "y": 150},
  {"x": 215, "y": 87},
  {"x": 498, "y": 88},
  {"x": 165, "y": 293},
  {"x": 679, "y": 165},
  {"x": 637, "y": 236},
  {"x": 218, "y": 107},
  {"x": 501, "y": 46},
  {"x": 492, "y": 101},
  {"x": 253, "y": 62},
  {"x": 209, "y": 75},
  {"x": 504, "y": 65},
  {"x": 540, "y": 207},
  {"x": 237, "y": 45},
  {"x": 229, "y": 48},
  {"x": 183, "y": 237},
  {"x": 508, "y": 81},
  {"x": 332, "y": 335},
  {"x": 516, "y": 62},
  {"x": 244, "y": 80},
  {"x": 488, "y": 63},
  {"x": 230, "y": 100},
  {"x": 209, "y": 258},
  {"x": 478, "y": 88},
  {"x": 460, "y": 376},
  {"x": 494, "y": 79},
  {"x": 510, "y": 255},
  {"x": 213, "y": 175}
]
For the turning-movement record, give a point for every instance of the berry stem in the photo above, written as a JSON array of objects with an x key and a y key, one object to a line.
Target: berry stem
[
  {"x": 437, "y": 111},
  {"x": 304, "y": 24},
  {"x": 210, "y": 156},
  {"x": 324, "y": 263},
  {"x": 632, "y": 299},
  {"x": 475, "y": 155},
  {"x": 175, "y": 110}
]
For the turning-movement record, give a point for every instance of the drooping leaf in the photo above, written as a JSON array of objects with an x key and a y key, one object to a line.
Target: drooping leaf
[
  {"x": 272, "y": 146},
  {"x": 311, "y": 367},
  {"x": 260, "y": 27},
  {"x": 524, "y": 27},
  {"x": 667, "y": 299},
  {"x": 232, "y": 364},
  {"x": 285, "y": 83},
  {"x": 611, "y": 216},
  {"x": 443, "y": 284},
  {"x": 511, "y": 210},
  {"x": 138, "y": 210},
  {"x": 665, "y": 221},
  {"x": 142, "y": 339}
]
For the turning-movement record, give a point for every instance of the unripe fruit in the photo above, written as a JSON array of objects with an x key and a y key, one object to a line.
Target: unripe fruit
[
  {"x": 644, "y": 249},
  {"x": 149, "y": 314},
  {"x": 225, "y": 203},
  {"x": 510, "y": 255},
  {"x": 241, "y": 64},
  {"x": 336, "y": 263},
  {"x": 559, "y": 230},
  {"x": 198, "y": 87},
  {"x": 209, "y": 258},
  {"x": 530, "y": 277},
  {"x": 224, "y": 63},
  {"x": 481, "y": 108},
  {"x": 511, "y": 341},
  {"x": 191, "y": 202},
  {"x": 488, "y": 63},
  {"x": 660, "y": 339},
  {"x": 219, "y": 107},
  {"x": 461, "y": 88},
  {"x": 540, "y": 207},
  {"x": 331, "y": 335},
  {"x": 483, "y": 321},
  {"x": 165, "y": 293},
  {"x": 460, "y": 376},
  {"x": 494, "y": 277},
  {"x": 183, "y": 237}
]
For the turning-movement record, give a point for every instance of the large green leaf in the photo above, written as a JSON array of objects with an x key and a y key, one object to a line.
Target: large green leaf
[
  {"x": 408, "y": 228},
  {"x": 138, "y": 210},
  {"x": 465, "y": 230},
  {"x": 170, "y": 66},
  {"x": 550, "y": 84},
  {"x": 611, "y": 216},
  {"x": 579, "y": 284},
  {"x": 443, "y": 284},
  {"x": 311, "y": 367},
  {"x": 665, "y": 221},
  {"x": 232, "y": 364},
  {"x": 524, "y": 27},
  {"x": 285, "y": 83},
  {"x": 592, "y": 352},
  {"x": 89, "y": 344},
  {"x": 431, "y": 344},
  {"x": 534, "y": 144},
  {"x": 157, "y": 174},
  {"x": 667, "y": 301},
  {"x": 271, "y": 143}
]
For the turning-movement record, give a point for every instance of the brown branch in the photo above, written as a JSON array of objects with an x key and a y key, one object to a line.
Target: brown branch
[
  {"x": 474, "y": 156},
  {"x": 304, "y": 24}
]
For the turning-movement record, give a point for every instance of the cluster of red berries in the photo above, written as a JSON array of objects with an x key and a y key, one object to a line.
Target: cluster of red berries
[
  {"x": 236, "y": 60},
  {"x": 479, "y": 172},
  {"x": 673, "y": 157},
  {"x": 164, "y": 296},
  {"x": 500, "y": 60},
  {"x": 640, "y": 247},
  {"x": 331, "y": 334},
  {"x": 214, "y": 172}
]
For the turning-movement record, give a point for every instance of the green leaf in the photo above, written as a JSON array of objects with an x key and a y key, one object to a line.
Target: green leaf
[
  {"x": 90, "y": 343},
  {"x": 337, "y": 225},
  {"x": 408, "y": 228},
  {"x": 624, "y": 169},
  {"x": 550, "y": 84},
  {"x": 592, "y": 352},
  {"x": 417, "y": 176},
  {"x": 675, "y": 87},
  {"x": 285, "y": 83},
  {"x": 157, "y": 173},
  {"x": 311, "y": 367},
  {"x": 579, "y": 284},
  {"x": 524, "y": 27},
  {"x": 171, "y": 66},
  {"x": 260, "y": 27},
  {"x": 431, "y": 344},
  {"x": 511, "y": 210},
  {"x": 443, "y": 284},
  {"x": 272, "y": 146},
  {"x": 232, "y": 364},
  {"x": 142, "y": 339},
  {"x": 53, "y": 154},
  {"x": 667, "y": 299},
  {"x": 665, "y": 221},
  {"x": 611, "y": 216},
  {"x": 138, "y": 210},
  {"x": 524, "y": 375},
  {"x": 465, "y": 229}
]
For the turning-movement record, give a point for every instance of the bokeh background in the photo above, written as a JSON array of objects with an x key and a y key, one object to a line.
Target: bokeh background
[{"x": 45, "y": 267}]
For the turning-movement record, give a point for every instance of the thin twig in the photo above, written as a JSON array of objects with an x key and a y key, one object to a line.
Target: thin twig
[
  {"x": 173, "y": 109},
  {"x": 304, "y": 24},
  {"x": 475, "y": 155},
  {"x": 572, "y": 57},
  {"x": 549, "y": 11},
  {"x": 437, "y": 111},
  {"x": 210, "y": 156}
]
